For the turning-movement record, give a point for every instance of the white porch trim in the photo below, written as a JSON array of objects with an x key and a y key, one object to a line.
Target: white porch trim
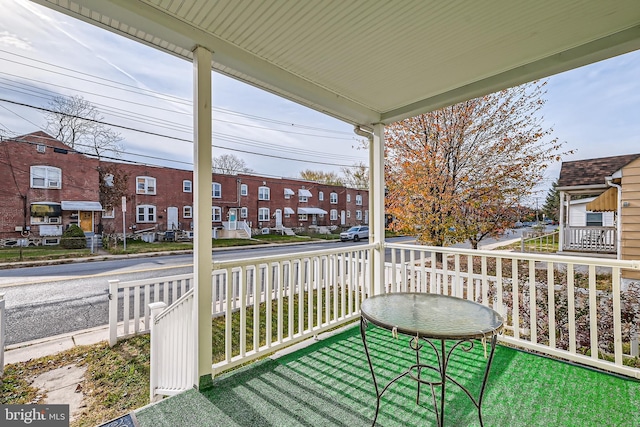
[{"x": 202, "y": 245}]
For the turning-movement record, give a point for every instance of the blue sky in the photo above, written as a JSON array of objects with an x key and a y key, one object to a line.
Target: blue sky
[{"x": 594, "y": 109}]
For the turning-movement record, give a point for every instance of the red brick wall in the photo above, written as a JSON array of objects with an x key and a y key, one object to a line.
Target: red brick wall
[{"x": 79, "y": 179}]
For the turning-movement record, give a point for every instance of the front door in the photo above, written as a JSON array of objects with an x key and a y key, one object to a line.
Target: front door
[
  {"x": 86, "y": 221},
  {"x": 233, "y": 219},
  {"x": 172, "y": 218},
  {"x": 343, "y": 218},
  {"x": 278, "y": 218}
]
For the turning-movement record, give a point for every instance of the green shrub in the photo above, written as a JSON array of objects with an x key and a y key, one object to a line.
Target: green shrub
[{"x": 73, "y": 238}]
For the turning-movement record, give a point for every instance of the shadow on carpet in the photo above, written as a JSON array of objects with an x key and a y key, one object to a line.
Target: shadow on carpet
[{"x": 329, "y": 384}]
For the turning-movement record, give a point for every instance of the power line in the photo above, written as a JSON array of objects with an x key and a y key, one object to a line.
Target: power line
[
  {"x": 150, "y": 92},
  {"x": 158, "y": 123},
  {"x": 175, "y": 138}
]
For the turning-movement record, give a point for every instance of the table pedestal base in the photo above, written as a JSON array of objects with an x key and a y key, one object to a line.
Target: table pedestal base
[{"x": 415, "y": 371}]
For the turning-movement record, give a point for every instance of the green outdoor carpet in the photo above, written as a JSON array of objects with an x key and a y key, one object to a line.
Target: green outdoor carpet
[{"x": 329, "y": 384}]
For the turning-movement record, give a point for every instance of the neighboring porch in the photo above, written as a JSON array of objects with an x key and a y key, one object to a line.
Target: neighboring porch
[{"x": 329, "y": 384}]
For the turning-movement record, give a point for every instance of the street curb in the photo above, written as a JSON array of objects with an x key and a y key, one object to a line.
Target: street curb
[
  {"x": 106, "y": 257},
  {"x": 25, "y": 351}
]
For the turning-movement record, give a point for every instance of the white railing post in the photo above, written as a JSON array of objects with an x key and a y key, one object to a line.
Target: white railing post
[
  {"x": 635, "y": 349},
  {"x": 154, "y": 356},
  {"x": 113, "y": 312},
  {"x": 2, "y": 332}
]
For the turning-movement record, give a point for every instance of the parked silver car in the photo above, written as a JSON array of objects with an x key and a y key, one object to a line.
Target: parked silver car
[{"x": 355, "y": 233}]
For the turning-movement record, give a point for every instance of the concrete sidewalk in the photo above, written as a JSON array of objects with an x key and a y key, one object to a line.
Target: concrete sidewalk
[{"x": 25, "y": 351}]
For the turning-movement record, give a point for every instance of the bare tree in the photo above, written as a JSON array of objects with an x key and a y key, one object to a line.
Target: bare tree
[
  {"x": 79, "y": 124},
  {"x": 356, "y": 176},
  {"x": 330, "y": 178},
  {"x": 229, "y": 164}
]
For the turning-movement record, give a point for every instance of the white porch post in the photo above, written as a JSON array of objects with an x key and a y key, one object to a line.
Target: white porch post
[
  {"x": 376, "y": 207},
  {"x": 561, "y": 222},
  {"x": 202, "y": 261}
]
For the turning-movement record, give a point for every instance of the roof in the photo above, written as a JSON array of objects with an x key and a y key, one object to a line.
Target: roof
[
  {"x": 592, "y": 172},
  {"x": 376, "y": 61}
]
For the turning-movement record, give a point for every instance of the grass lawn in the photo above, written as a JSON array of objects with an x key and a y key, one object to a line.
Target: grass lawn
[
  {"x": 32, "y": 253},
  {"x": 116, "y": 381},
  {"x": 42, "y": 253}
]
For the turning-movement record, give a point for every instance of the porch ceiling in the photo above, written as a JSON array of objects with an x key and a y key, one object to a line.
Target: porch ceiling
[{"x": 369, "y": 61}]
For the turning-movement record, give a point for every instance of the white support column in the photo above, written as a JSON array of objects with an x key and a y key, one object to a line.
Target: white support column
[
  {"x": 376, "y": 207},
  {"x": 562, "y": 224},
  {"x": 202, "y": 261}
]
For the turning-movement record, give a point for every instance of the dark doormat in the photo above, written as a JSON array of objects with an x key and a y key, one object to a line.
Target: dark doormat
[{"x": 128, "y": 420}]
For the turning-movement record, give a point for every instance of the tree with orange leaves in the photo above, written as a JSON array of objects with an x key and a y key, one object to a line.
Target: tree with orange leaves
[{"x": 457, "y": 173}]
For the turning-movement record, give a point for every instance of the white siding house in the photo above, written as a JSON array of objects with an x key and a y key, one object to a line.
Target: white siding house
[{"x": 578, "y": 215}]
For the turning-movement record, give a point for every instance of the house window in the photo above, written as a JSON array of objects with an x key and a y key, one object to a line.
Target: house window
[
  {"x": 333, "y": 214},
  {"x": 109, "y": 212},
  {"x": 348, "y": 198},
  {"x": 359, "y": 215},
  {"x": 263, "y": 214},
  {"x": 145, "y": 185},
  {"x": 303, "y": 195},
  {"x": 187, "y": 212},
  {"x": 46, "y": 213},
  {"x": 320, "y": 195},
  {"x": 594, "y": 219},
  {"x": 358, "y": 200},
  {"x": 244, "y": 212},
  {"x": 348, "y": 214},
  {"x": 333, "y": 198},
  {"x": 302, "y": 217},
  {"x": 46, "y": 177},
  {"x": 288, "y": 193},
  {"x": 186, "y": 186},
  {"x": 216, "y": 190},
  {"x": 216, "y": 214},
  {"x": 244, "y": 190},
  {"x": 146, "y": 213},
  {"x": 264, "y": 193}
]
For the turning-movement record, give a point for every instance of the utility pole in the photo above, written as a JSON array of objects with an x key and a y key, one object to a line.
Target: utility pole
[{"x": 124, "y": 225}]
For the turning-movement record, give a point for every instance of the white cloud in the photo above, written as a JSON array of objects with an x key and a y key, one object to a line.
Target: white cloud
[{"x": 13, "y": 41}]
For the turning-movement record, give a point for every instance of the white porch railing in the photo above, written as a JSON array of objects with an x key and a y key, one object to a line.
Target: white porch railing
[
  {"x": 578, "y": 306},
  {"x": 3, "y": 332},
  {"x": 590, "y": 239},
  {"x": 546, "y": 243},
  {"x": 131, "y": 314},
  {"x": 242, "y": 225},
  {"x": 173, "y": 366},
  {"x": 576, "y": 315},
  {"x": 295, "y": 297},
  {"x": 281, "y": 300}
]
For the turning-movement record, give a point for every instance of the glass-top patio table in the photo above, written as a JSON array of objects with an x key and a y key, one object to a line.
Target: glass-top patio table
[{"x": 432, "y": 319}]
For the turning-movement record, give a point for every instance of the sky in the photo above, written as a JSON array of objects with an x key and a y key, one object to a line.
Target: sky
[{"x": 593, "y": 110}]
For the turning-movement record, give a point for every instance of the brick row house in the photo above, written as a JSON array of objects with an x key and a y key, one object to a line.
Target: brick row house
[{"x": 48, "y": 186}]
